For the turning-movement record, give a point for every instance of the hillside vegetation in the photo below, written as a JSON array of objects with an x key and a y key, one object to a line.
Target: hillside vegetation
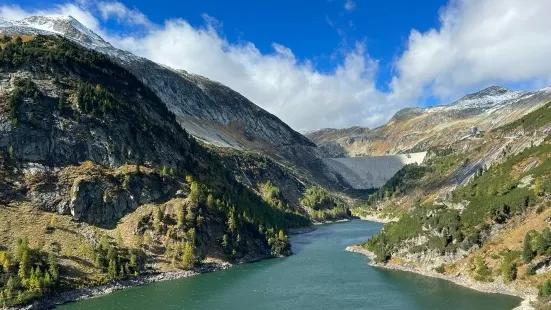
[
  {"x": 493, "y": 226},
  {"x": 99, "y": 182}
]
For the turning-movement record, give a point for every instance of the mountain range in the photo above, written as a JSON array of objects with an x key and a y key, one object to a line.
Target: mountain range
[
  {"x": 419, "y": 129},
  {"x": 113, "y": 167}
]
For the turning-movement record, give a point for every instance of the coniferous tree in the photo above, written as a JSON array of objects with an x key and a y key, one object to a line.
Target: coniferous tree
[{"x": 527, "y": 252}]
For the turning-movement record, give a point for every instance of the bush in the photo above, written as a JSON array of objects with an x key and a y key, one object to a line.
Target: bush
[
  {"x": 508, "y": 270},
  {"x": 545, "y": 289},
  {"x": 483, "y": 271},
  {"x": 440, "y": 269}
]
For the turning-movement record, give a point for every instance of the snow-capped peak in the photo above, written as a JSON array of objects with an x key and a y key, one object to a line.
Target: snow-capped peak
[
  {"x": 484, "y": 100},
  {"x": 64, "y": 25}
]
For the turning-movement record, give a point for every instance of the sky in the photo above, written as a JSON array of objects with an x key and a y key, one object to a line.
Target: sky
[{"x": 329, "y": 63}]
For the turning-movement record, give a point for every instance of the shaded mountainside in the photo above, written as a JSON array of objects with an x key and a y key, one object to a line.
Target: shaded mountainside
[
  {"x": 209, "y": 111},
  {"x": 418, "y": 129},
  {"x": 98, "y": 180},
  {"x": 476, "y": 209}
]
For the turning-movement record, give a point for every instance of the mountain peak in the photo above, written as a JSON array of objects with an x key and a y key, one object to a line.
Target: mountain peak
[
  {"x": 64, "y": 25},
  {"x": 488, "y": 91}
]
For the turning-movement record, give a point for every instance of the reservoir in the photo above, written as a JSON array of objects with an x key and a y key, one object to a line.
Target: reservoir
[{"x": 319, "y": 275}]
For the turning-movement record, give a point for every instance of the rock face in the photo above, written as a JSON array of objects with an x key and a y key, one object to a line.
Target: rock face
[
  {"x": 95, "y": 196},
  {"x": 373, "y": 171},
  {"x": 210, "y": 111},
  {"x": 417, "y": 129},
  {"x": 58, "y": 125}
]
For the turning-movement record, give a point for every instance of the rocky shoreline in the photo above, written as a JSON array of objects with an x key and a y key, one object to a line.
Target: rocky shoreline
[
  {"x": 331, "y": 222},
  {"x": 96, "y": 291},
  {"x": 377, "y": 218},
  {"x": 492, "y": 287}
]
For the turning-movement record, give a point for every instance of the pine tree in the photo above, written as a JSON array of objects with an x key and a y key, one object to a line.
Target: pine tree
[
  {"x": 282, "y": 236},
  {"x": 133, "y": 261},
  {"x": 180, "y": 215},
  {"x": 48, "y": 283},
  {"x": 188, "y": 258},
  {"x": 546, "y": 234},
  {"x": 52, "y": 267},
  {"x": 540, "y": 244},
  {"x": 53, "y": 221},
  {"x": 24, "y": 265},
  {"x": 545, "y": 289},
  {"x": 6, "y": 265},
  {"x": 538, "y": 188},
  {"x": 120, "y": 242},
  {"x": 527, "y": 252},
  {"x": 112, "y": 269}
]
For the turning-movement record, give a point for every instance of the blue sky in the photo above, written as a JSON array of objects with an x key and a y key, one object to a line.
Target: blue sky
[
  {"x": 313, "y": 29},
  {"x": 330, "y": 63}
]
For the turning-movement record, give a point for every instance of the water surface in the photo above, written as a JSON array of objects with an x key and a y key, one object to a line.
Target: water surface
[{"x": 320, "y": 275}]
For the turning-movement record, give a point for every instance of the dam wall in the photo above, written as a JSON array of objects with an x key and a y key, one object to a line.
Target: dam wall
[{"x": 372, "y": 171}]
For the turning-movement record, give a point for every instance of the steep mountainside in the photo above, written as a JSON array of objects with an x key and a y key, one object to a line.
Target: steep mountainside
[
  {"x": 475, "y": 212},
  {"x": 208, "y": 110},
  {"x": 418, "y": 129},
  {"x": 99, "y": 182}
]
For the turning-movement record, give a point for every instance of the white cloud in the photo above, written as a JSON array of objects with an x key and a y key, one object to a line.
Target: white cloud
[
  {"x": 477, "y": 43},
  {"x": 122, "y": 13},
  {"x": 13, "y": 12},
  {"x": 349, "y": 5},
  {"x": 293, "y": 90}
]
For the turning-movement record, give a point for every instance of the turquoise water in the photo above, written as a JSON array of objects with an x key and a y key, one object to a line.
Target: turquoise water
[{"x": 320, "y": 275}]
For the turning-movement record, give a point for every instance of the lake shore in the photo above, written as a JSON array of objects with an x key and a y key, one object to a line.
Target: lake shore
[
  {"x": 108, "y": 288},
  {"x": 377, "y": 218},
  {"x": 100, "y": 290},
  {"x": 491, "y": 287},
  {"x": 331, "y": 222},
  {"x": 302, "y": 230}
]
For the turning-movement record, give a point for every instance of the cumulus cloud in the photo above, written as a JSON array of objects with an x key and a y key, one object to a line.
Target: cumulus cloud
[{"x": 477, "y": 43}]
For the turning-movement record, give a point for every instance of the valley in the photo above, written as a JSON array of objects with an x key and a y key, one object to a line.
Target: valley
[{"x": 116, "y": 171}]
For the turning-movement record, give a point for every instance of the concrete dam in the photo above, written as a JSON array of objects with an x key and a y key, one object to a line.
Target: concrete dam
[{"x": 372, "y": 171}]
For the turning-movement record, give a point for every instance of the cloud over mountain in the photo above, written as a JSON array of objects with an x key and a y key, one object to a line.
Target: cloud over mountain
[{"x": 477, "y": 43}]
